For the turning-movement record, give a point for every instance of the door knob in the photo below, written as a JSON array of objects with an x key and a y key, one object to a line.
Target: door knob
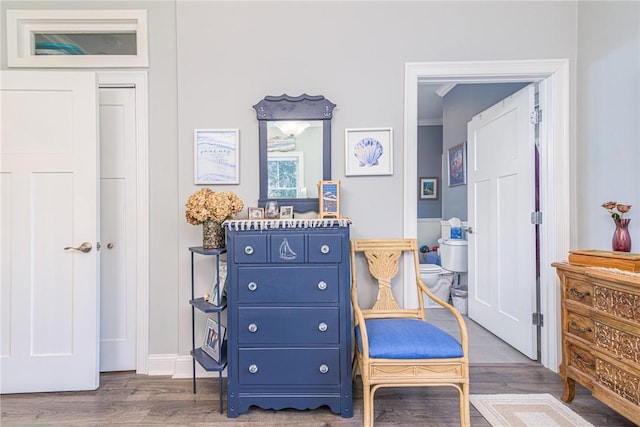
[{"x": 85, "y": 247}]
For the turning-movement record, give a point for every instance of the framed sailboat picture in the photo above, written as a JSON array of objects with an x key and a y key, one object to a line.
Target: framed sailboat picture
[{"x": 329, "y": 198}]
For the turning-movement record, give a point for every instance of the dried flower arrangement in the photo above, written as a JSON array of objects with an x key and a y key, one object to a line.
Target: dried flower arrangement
[{"x": 206, "y": 205}]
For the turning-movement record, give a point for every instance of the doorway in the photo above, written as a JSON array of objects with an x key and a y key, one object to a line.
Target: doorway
[
  {"x": 120, "y": 321},
  {"x": 554, "y": 163}
]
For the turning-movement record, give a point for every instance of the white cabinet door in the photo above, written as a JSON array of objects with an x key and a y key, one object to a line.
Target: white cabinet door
[
  {"x": 49, "y": 194},
  {"x": 501, "y": 197}
]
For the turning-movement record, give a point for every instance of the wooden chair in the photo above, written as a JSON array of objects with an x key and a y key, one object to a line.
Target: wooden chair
[{"x": 397, "y": 347}]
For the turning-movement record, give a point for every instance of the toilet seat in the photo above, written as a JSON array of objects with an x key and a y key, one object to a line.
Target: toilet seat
[{"x": 430, "y": 268}]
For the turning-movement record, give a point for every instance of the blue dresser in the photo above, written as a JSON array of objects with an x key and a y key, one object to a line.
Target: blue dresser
[{"x": 289, "y": 316}]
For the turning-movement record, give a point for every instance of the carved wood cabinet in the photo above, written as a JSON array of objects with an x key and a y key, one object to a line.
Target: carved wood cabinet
[{"x": 601, "y": 335}]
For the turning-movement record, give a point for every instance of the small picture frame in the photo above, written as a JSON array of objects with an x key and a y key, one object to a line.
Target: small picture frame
[
  {"x": 214, "y": 335},
  {"x": 428, "y": 188},
  {"x": 216, "y": 156},
  {"x": 215, "y": 297},
  {"x": 329, "y": 199},
  {"x": 286, "y": 212},
  {"x": 256, "y": 213},
  {"x": 368, "y": 151},
  {"x": 457, "y": 164}
]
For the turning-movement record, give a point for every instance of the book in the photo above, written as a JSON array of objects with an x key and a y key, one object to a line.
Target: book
[{"x": 627, "y": 261}]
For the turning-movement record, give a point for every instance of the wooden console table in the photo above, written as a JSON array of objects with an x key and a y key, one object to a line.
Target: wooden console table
[{"x": 601, "y": 335}]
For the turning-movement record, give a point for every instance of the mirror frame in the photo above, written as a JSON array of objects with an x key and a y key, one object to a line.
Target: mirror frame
[{"x": 285, "y": 107}]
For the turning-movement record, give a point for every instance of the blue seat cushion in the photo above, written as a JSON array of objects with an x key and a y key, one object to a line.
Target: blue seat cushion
[{"x": 408, "y": 339}]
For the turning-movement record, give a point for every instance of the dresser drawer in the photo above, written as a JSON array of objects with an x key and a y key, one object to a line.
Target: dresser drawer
[
  {"x": 287, "y": 248},
  {"x": 286, "y": 366},
  {"x": 288, "y": 325},
  {"x": 250, "y": 248},
  {"x": 325, "y": 248},
  {"x": 318, "y": 284},
  {"x": 579, "y": 291},
  {"x": 617, "y": 302},
  {"x": 582, "y": 359},
  {"x": 580, "y": 326}
]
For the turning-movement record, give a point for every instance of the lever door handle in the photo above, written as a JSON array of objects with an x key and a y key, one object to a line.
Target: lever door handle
[{"x": 85, "y": 247}]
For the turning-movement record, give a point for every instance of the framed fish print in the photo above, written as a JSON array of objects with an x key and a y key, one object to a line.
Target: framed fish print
[{"x": 457, "y": 164}]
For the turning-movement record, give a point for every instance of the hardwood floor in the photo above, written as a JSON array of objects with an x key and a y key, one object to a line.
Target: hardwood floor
[{"x": 125, "y": 398}]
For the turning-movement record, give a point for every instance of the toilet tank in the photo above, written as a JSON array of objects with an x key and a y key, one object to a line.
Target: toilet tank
[{"x": 453, "y": 255}]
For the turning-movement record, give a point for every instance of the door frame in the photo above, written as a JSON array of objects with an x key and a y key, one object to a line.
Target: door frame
[
  {"x": 553, "y": 76},
  {"x": 138, "y": 80}
]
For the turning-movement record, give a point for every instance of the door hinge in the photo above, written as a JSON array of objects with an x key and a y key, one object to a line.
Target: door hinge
[
  {"x": 536, "y": 116},
  {"x": 537, "y": 319},
  {"x": 536, "y": 217}
]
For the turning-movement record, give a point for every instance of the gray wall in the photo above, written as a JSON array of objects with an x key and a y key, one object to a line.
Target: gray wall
[
  {"x": 459, "y": 106},
  {"x": 211, "y": 61},
  {"x": 430, "y": 166},
  {"x": 608, "y": 116}
]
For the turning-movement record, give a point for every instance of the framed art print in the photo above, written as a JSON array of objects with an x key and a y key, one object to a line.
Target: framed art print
[
  {"x": 215, "y": 297},
  {"x": 368, "y": 151},
  {"x": 428, "y": 188},
  {"x": 286, "y": 212},
  {"x": 457, "y": 164},
  {"x": 256, "y": 213},
  {"x": 216, "y": 156},
  {"x": 213, "y": 338},
  {"x": 329, "y": 199}
]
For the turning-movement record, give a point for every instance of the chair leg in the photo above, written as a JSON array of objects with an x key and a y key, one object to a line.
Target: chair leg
[
  {"x": 367, "y": 402},
  {"x": 465, "y": 417},
  {"x": 354, "y": 365}
]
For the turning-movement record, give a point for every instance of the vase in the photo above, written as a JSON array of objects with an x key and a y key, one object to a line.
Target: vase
[
  {"x": 621, "y": 238},
  {"x": 212, "y": 234}
]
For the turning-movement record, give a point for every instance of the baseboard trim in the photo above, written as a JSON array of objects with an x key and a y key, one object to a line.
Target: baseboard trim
[{"x": 177, "y": 366}]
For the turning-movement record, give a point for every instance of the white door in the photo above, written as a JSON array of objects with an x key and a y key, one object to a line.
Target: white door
[
  {"x": 501, "y": 198},
  {"x": 117, "y": 229},
  {"x": 49, "y": 193}
]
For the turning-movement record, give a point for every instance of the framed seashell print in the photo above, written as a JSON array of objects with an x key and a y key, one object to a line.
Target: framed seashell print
[{"x": 368, "y": 151}]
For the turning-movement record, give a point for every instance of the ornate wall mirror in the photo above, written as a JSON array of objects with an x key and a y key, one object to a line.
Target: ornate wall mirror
[{"x": 294, "y": 149}]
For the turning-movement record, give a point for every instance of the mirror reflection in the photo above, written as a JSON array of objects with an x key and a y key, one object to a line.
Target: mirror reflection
[
  {"x": 294, "y": 149},
  {"x": 294, "y": 158}
]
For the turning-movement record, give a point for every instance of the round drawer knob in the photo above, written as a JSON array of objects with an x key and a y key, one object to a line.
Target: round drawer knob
[
  {"x": 324, "y": 249},
  {"x": 248, "y": 250},
  {"x": 322, "y": 327},
  {"x": 252, "y": 286},
  {"x": 322, "y": 285},
  {"x": 253, "y": 369},
  {"x": 253, "y": 327},
  {"x": 324, "y": 369}
]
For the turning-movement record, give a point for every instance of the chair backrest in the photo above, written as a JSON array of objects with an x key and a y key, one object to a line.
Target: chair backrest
[{"x": 384, "y": 257}]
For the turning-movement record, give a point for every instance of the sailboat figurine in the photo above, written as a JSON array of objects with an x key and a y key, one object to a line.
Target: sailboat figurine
[{"x": 286, "y": 252}]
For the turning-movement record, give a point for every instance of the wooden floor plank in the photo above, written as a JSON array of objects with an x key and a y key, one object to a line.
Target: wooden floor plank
[{"x": 125, "y": 398}]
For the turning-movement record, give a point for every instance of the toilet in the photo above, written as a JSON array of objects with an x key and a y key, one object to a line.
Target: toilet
[
  {"x": 453, "y": 261},
  {"x": 438, "y": 281},
  {"x": 453, "y": 255}
]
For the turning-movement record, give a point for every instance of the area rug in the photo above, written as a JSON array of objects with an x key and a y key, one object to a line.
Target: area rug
[{"x": 526, "y": 410}]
